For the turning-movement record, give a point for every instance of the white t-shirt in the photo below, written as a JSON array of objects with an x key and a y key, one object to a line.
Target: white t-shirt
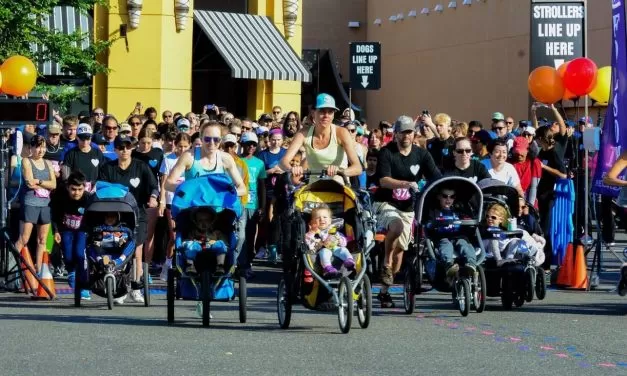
[
  {"x": 507, "y": 175},
  {"x": 169, "y": 161}
]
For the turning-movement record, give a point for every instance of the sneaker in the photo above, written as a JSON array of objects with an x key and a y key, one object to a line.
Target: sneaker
[
  {"x": 329, "y": 271},
  {"x": 149, "y": 279},
  {"x": 85, "y": 295},
  {"x": 452, "y": 271},
  {"x": 349, "y": 264},
  {"x": 272, "y": 255},
  {"x": 199, "y": 311},
  {"x": 120, "y": 300},
  {"x": 136, "y": 296},
  {"x": 71, "y": 279},
  {"x": 386, "y": 300},
  {"x": 586, "y": 240},
  {"x": 261, "y": 254},
  {"x": 164, "y": 270},
  {"x": 387, "y": 277}
]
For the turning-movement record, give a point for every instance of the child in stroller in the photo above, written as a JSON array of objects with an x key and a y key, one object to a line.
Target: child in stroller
[
  {"x": 442, "y": 223},
  {"x": 324, "y": 239},
  {"x": 205, "y": 236},
  {"x": 111, "y": 241},
  {"x": 507, "y": 249}
]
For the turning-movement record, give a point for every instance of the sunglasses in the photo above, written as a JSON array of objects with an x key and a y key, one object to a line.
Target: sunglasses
[
  {"x": 448, "y": 196},
  {"x": 167, "y": 116},
  {"x": 509, "y": 122},
  {"x": 84, "y": 138},
  {"x": 110, "y": 128},
  {"x": 497, "y": 128},
  {"x": 276, "y": 112},
  {"x": 98, "y": 113},
  {"x": 136, "y": 123},
  {"x": 208, "y": 140},
  {"x": 246, "y": 129},
  {"x": 250, "y": 144},
  {"x": 462, "y": 151},
  {"x": 124, "y": 147},
  {"x": 352, "y": 130},
  {"x": 492, "y": 217},
  {"x": 527, "y": 135}
]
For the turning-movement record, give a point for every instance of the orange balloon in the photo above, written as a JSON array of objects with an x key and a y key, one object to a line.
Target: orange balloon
[
  {"x": 568, "y": 95},
  {"x": 0, "y": 81},
  {"x": 19, "y": 75},
  {"x": 545, "y": 85}
]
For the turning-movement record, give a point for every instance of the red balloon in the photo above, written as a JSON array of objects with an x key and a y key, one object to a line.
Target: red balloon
[
  {"x": 580, "y": 76},
  {"x": 567, "y": 94}
]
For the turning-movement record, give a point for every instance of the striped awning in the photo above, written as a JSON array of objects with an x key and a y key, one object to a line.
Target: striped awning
[
  {"x": 252, "y": 46},
  {"x": 64, "y": 19}
]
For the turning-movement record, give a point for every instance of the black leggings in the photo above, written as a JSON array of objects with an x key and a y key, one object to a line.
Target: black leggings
[{"x": 545, "y": 204}]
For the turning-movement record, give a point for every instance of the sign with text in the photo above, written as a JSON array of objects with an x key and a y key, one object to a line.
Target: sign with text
[
  {"x": 365, "y": 65},
  {"x": 557, "y": 32}
]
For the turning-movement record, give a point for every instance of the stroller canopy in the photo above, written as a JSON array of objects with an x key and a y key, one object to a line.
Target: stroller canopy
[
  {"x": 110, "y": 197},
  {"x": 468, "y": 197},
  {"x": 214, "y": 190},
  {"x": 338, "y": 197},
  {"x": 497, "y": 191}
]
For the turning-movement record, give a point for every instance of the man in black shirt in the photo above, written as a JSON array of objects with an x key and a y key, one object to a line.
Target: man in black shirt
[
  {"x": 84, "y": 158},
  {"x": 400, "y": 167},
  {"x": 441, "y": 147}
]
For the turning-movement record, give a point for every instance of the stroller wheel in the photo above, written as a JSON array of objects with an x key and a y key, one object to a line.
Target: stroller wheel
[
  {"x": 243, "y": 293},
  {"x": 507, "y": 296},
  {"x": 463, "y": 296},
  {"x": 345, "y": 305},
  {"x": 364, "y": 304},
  {"x": 284, "y": 305},
  {"x": 205, "y": 291},
  {"x": 409, "y": 288},
  {"x": 109, "y": 289},
  {"x": 480, "y": 290},
  {"x": 171, "y": 294},
  {"x": 77, "y": 291},
  {"x": 540, "y": 284},
  {"x": 146, "y": 271},
  {"x": 530, "y": 281}
]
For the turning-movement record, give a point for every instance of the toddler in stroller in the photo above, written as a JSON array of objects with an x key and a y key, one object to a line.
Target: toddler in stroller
[
  {"x": 442, "y": 223},
  {"x": 111, "y": 241},
  {"x": 324, "y": 239},
  {"x": 205, "y": 236}
]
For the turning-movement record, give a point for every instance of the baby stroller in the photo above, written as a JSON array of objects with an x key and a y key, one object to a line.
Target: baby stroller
[
  {"x": 515, "y": 281},
  {"x": 468, "y": 288},
  {"x": 215, "y": 193},
  {"x": 104, "y": 278},
  {"x": 298, "y": 265}
]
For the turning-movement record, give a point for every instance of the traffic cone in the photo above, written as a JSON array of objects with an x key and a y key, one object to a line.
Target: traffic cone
[
  {"x": 46, "y": 280},
  {"x": 565, "y": 273},
  {"x": 580, "y": 271},
  {"x": 31, "y": 281}
]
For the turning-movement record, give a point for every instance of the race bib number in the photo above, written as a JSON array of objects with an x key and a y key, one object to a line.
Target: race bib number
[
  {"x": 56, "y": 166},
  {"x": 401, "y": 194},
  {"x": 42, "y": 193},
  {"x": 72, "y": 222}
]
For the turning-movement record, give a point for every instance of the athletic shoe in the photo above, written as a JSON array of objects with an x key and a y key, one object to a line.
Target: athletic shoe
[
  {"x": 85, "y": 295},
  {"x": 71, "y": 279},
  {"x": 199, "y": 311},
  {"x": 120, "y": 300},
  {"x": 136, "y": 296},
  {"x": 261, "y": 254},
  {"x": 272, "y": 255},
  {"x": 329, "y": 272},
  {"x": 164, "y": 270},
  {"x": 387, "y": 277},
  {"x": 349, "y": 264},
  {"x": 386, "y": 300}
]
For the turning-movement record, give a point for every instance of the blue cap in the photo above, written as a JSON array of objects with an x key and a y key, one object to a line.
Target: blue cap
[
  {"x": 325, "y": 101},
  {"x": 570, "y": 123}
]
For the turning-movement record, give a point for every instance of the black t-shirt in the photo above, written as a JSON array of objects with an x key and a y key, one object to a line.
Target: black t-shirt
[
  {"x": 476, "y": 171},
  {"x": 552, "y": 159},
  {"x": 417, "y": 164},
  {"x": 560, "y": 145},
  {"x": 442, "y": 151},
  {"x": 88, "y": 163},
  {"x": 372, "y": 180},
  {"x": 152, "y": 158},
  {"x": 137, "y": 178},
  {"x": 67, "y": 214}
]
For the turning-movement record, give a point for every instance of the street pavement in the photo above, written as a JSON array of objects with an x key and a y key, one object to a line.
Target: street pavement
[{"x": 568, "y": 333}]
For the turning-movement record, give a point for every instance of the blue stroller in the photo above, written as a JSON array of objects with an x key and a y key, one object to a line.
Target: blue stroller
[
  {"x": 196, "y": 275},
  {"x": 110, "y": 272}
]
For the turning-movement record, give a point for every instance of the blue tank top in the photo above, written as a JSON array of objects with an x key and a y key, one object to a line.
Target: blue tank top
[{"x": 198, "y": 170}]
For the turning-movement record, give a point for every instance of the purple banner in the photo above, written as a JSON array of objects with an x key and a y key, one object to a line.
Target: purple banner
[{"x": 614, "y": 136}]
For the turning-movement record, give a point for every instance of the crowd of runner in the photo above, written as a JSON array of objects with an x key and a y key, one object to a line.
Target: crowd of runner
[{"x": 54, "y": 168}]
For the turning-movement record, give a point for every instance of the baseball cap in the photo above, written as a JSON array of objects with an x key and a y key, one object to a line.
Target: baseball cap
[
  {"x": 262, "y": 130},
  {"x": 121, "y": 140},
  {"x": 404, "y": 123},
  {"x": 324, "y": 100},
  {"x": 125, "y": 127},
  {"x": 483, "y": 136},
  {"x": 569, "y": 123},
  {"x": 183, "y": 123},
  {"x": 84, "y": 129},
  {"x": 520, "y": 145},
  {"x": 586, "y": 120},
  {"x": 54, "y": 128},
  {"x": 265, "y": 117},
  {"x": 229, "y": 138},
  {"x": 498, "y": 116},
  {"x": 249, "y": 137},
  {"x": 99, "y": 139},
  {"x": 529, "y": 130}
]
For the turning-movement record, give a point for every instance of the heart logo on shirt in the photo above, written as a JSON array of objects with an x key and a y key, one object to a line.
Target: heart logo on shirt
[
  {"x": 134, "y": 182},
  {"x": 152, "y": 163},
  {"x": 473, "y": 179},
  {"x": 81, "y": 211},
  {"x": 414, "y": 169},
  {"x": 95, "y": 162}
]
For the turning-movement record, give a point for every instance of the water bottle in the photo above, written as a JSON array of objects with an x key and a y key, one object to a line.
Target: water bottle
[{"x": 512, "y": 225}]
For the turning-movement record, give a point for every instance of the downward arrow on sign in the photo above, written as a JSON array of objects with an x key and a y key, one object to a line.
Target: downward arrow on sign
[
  {"x": 558, "y": 62},
  {"x": 364, "y": 81}
]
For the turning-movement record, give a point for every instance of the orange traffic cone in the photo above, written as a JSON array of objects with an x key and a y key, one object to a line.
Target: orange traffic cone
[
  {"x": 580, "y": 271},
  {"x": 31, "y": 281},
  {"x": 46, "y": 280},
  {"x": 565, "y": 274}
]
